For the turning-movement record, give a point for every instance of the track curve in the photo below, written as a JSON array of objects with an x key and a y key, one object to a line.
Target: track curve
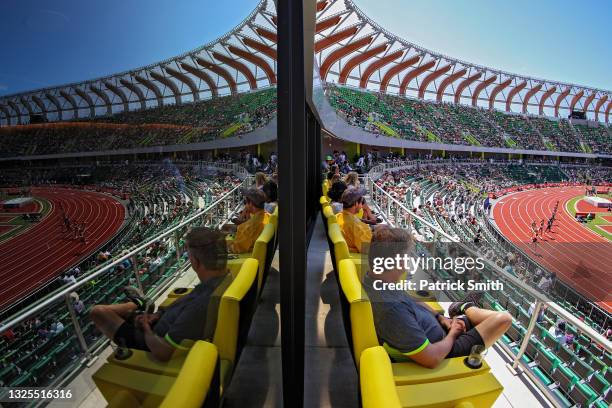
[
  {"x": 578, "y": 256},
  {"x": 33, "y": 258}
]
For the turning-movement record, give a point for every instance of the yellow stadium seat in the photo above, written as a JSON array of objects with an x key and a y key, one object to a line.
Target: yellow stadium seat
[
  {"x": 339, "y": 248},
  {"x": 140, "y": 371},
  {"x": 476, "y": 386},
  {"x": 197, "y": 382},
  {"x": 379, "y": 387}
]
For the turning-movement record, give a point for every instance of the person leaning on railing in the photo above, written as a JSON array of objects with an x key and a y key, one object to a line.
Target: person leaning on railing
[
  {"x": 410, "y": 329},
  {"x": 186, "y": 319}
]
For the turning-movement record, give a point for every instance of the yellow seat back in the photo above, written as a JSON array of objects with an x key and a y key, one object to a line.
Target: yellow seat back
[
  {"x": 235, "y": 312},
  {"x": 198, "y": 379},
  {"x": 361, "y": 319},
  {"x": 262, "y": 251},
  {"x": 340, "y": 247}
]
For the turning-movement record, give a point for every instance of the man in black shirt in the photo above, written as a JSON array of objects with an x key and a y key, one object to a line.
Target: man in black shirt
[{"x": 186, "y": 319}]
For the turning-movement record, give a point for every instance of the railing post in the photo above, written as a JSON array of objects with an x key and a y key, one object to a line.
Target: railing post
[
  {"x": 77, "y": 328},
  {"x": 136, "y": 275},
  {"x": 177, "y": 246},
  {"x": 525, "y": 342}
]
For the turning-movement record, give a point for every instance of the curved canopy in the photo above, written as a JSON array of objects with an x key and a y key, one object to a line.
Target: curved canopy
[
  {"x": 353, "y": 49},
  {"x": 241, "y": 60}
]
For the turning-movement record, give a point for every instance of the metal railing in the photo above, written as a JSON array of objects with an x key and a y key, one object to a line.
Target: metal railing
[
  {"x": 150, "y": 266},
  {"x": 397, "y": 214}
]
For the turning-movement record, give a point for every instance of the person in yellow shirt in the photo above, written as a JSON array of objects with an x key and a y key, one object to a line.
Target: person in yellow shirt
[
  {"x": 356, "y": 232},
  {"x": 248, "y": 231}
]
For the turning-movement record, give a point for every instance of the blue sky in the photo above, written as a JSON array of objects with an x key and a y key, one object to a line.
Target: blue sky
[
  {"x": 60, "y": 41},
  {"x": 567, "y": 41}
]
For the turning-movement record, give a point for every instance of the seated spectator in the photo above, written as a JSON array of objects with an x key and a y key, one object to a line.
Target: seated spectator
[
  {"x": 270, "y": 189},
  {"x": 410, "y": 329},
  {"x": 260, "y": 180},
  {"x": 248, "y": 231},
  {"x": 355, "y": 232},
  {"x": 186, "y": 319},
  {"x": 540, "y": 317},
  {"x": 335, "y": 194}
]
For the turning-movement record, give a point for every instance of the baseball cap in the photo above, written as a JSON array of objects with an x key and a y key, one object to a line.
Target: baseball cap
[
  {"x": 256, "y": 196},
  {"x": 351, "y": 196}
]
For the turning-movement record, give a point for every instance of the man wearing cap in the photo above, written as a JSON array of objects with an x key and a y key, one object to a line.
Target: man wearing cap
[
  {"x": 248, "y": 231},
  {"x": 191, "y": 317},
  {"x": 355, "y": 231}
]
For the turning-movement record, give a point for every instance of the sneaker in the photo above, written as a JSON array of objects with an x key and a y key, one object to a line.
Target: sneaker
[{"x": 457, "y": 308}]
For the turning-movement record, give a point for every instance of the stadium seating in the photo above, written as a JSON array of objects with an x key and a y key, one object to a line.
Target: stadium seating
[
  {"x": 426, "y": 121},
  {"x": 151, "y": 381},
  {"x": 167, "y": 125}
]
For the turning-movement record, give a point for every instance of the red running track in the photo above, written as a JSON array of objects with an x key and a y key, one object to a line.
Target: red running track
[
  {"x": 580, "y": 257},
  {"x": 34, "y": 257}
]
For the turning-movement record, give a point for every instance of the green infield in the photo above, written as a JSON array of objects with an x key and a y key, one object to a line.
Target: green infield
[{"x": 593, "y": 225}]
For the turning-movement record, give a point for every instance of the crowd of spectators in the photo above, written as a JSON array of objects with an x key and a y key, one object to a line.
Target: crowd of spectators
[
  {"x": 444, "y": 122},
  {"x": 158, "y": 126}
]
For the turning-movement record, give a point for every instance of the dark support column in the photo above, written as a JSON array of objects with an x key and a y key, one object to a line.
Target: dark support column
[{"x": 292, "y": 226}]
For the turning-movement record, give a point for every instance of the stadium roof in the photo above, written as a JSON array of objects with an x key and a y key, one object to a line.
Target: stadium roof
[
  {"x": 354, "y": 50},
  {"x": 349, "y": 49},
  {"x": 244, "y": 59}
]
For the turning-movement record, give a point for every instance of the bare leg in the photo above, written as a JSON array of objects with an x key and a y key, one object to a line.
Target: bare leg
[
  {"x": 108, "y": 318},
  {"x": 491, "y": 326}
]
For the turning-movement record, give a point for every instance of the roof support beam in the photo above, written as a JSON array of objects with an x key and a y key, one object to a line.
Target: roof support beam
[
  {"x": 343, "y": 51},
  {"x": 464, "y": 84},
  {"x": 410, "y": 75},
  {"x": 238, "y": 66},
  {"x": 203, "y": 76},
  {"x": 136, "y": 90},
  {"x": 529, "y": 95},
  {"x": 447, "y": 81},
  {"x": 255, "y": 60},
  {"x": 150, "y": 85},
  {"x": 58, "y": 107},
  {"x": 267, "y": 34},
  {"x": 432, "y": 77},
  {"x": 321, "y": 5},
  {"x": 263, "y": 48},
  {"x": 599, "y": 104},
  {"x": 41, "y": 105},
  {"x": 327, "y": 23},
  {"x": 588, "y": 101},
  {"x": 72, "y": 103},
  {"x": 575, "y": 100},
  {"x": 26, "y": 104},
  {"x": 497, "y": 90},
  {"x": 396, "y": 69},
  {"x": 7, "y": 114},
  {"x": 513, "y": 93},
  {"x": 119, "y": 92},
  {"x": 168, "y": 82},
  {"x": 17, "y": 111},
  {"x": 335, "y": 38},
  {"x": 186, "y": 80},
  {"x": 102, "y": 95},
  {"x": 608, "y": 112},
  {"x": 480, "y": 87},
  {"x": 222, "y": 72},
  {"x": 358, "y": 59},
  {"x": 376, "y": 65},
  {"x": 560, "y": 98},
  {"x": 87, "y": 98},
  {"x": 546, "y": 95}
]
